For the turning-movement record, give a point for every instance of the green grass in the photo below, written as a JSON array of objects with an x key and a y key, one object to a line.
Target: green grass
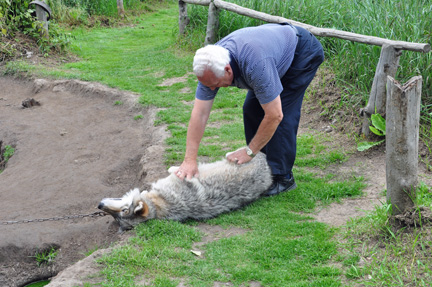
[
  {"x": 282, "y": 245},
  {"x": 38, "y": 284},
  {"x": 65, "y": 10},
  {"x": 7, "y": 153},
  {"x": 377, "y": 254},
  {"x": 45, "y": 256}
]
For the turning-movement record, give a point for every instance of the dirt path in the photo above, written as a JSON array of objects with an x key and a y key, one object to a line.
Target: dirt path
[{"x": 78, "y": 147}]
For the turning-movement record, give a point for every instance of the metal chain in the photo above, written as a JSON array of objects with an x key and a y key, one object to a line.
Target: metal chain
[{"x": 94, "y": 214}]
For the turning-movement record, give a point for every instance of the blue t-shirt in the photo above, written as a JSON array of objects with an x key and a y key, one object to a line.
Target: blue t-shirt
[{"x": 260, "y": 56}]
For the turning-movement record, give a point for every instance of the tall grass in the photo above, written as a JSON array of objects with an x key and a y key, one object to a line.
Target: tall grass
[
  {"x": 98, "y": 7},
  {"x": 71, "y": 11},
  {"x": 353, "y": 63}
]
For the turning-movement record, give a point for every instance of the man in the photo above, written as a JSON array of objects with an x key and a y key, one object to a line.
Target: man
[{"x": 275, "y": 63}]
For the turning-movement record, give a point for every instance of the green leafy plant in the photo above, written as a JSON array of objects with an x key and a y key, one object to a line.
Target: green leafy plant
[
  {"x": 17, "y": 17},
  {"x": 378, "y": 127},
  {"x": 5, "y": 155},
  {"x": 2, "y": 19},
  {"x": 46, "y": 256},
  {"x": 138, "y": 117},
  {"x": 8, "y": 153},
  {"x": 17, "y": 68}
]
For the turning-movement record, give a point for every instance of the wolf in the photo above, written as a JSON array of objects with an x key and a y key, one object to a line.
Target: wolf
[{"x": 222, "y": 186}]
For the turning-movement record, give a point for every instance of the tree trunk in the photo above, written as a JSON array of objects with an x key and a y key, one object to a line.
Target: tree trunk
[
  {"x": 387, "y": 66},
  {"x": 402, "y": 138},
  {"x": 212, "y": 24},
  {"x": 120, "y": 8}
]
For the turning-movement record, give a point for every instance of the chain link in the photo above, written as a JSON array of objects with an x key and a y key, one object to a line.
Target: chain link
[{"x": 58, "y": 218}]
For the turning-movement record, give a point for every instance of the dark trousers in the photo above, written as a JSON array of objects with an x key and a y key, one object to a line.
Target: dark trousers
[{"x": 281, "y": 149}]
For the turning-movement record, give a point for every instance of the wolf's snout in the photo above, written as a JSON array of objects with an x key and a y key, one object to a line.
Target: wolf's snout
[{"x": 101, "y": 205}]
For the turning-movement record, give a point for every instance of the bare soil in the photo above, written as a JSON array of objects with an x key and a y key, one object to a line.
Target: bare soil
[{"x": 78, "y": 147}]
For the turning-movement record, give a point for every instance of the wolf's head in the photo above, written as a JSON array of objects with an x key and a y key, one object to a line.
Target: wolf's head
[{"x": 128, "y": 211}]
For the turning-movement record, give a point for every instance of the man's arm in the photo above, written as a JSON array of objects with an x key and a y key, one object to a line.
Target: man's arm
[
  {"x": 197, "y": 124},
  {"x": 272, "y": 117}
]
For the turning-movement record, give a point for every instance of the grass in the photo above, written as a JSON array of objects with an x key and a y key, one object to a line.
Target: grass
[
  {"x": 6, "y": 154},
  {"x": 385, "y": 256},
  {"x": 282, "y": 245},
  {"x": 38, "y": 284},
  {"x": 76, "y": 9},
  {"x": 45, "y": 256}
]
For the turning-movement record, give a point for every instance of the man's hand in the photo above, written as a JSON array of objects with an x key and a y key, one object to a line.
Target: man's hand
[
  {"x": 188, "y": 169},
  {"x": 239, "y": 156}
]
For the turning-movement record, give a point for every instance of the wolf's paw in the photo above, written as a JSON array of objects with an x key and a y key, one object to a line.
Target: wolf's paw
[{"x": 173, "y": 169}]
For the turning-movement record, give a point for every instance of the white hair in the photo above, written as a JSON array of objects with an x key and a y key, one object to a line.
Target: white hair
[{"x": 211, "y": 57}]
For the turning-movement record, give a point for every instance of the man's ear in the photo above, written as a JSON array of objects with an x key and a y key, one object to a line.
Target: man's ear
[
  {"x": 228, "y": 68},
  {"x": 142, "y": 209},
  {"x": 229, "y": 71}
]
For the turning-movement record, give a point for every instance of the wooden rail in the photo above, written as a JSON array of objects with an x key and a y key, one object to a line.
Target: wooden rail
[
  {"x": 322, "y": 32},
  {"x": 387, "y": 96}
]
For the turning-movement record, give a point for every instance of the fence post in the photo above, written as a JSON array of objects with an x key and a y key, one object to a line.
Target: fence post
[
  {"x": 212, "y": 24},
  {"x": 43, "y": 14},
  {"x": 402, "y": 138},
  {"x": 183, "y": 17},
  {"x": 387, "y": 66},
  {"x": 120, "y": 8}
]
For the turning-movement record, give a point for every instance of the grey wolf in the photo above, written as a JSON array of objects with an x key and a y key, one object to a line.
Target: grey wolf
[{"x": 221, "y": 187}]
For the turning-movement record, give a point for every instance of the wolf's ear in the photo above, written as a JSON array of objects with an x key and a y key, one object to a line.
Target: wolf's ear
[{"x": 142, "y": 209}]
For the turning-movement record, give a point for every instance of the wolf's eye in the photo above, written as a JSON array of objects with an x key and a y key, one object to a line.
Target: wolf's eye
[{"x": 125, "y": 210}]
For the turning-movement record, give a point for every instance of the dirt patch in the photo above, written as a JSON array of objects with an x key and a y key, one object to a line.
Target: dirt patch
[{"x": 72, "y": 150}]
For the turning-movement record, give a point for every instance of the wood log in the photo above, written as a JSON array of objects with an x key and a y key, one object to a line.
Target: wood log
[
  {"x": 198, "y": 2},
  {"x": 387, "y": 66},
  {"x": 212, "y": 24},
  {"x": 322, "y": 32},
  {"x": 402, "y": 138}
]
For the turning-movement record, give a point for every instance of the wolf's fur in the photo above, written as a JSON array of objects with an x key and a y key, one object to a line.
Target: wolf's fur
[{"x": 221, "y": 187}]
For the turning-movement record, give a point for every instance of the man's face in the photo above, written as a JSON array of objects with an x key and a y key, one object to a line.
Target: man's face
[{"x": 210, "y": 80}]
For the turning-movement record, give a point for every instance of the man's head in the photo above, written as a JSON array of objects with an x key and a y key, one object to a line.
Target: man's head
[{"x": 212, "y": 68}]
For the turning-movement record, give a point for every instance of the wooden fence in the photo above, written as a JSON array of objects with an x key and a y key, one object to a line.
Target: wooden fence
[{"x": 400, "y": 103}]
